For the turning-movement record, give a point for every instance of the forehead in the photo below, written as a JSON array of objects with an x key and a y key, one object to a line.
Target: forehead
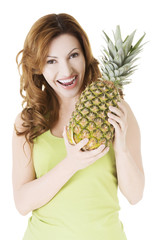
[{"x": 63, "y": 44}]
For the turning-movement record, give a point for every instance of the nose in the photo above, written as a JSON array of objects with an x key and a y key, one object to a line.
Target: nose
[{"x": 65, "y": 69}]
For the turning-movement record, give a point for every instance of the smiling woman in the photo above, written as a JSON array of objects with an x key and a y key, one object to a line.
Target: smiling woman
[{"x": 72, "y": 193}]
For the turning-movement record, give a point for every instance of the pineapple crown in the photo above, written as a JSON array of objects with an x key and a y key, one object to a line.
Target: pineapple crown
[{"x": 117, "y": 59}]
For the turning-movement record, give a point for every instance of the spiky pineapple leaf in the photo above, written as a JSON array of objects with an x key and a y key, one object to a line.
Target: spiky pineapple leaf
[
  {"x": 138, "y": 43},
  {"x": 128, "y": 43},
  {"x": 111, "y": 46},
  {"x": 118, "y": 38},
  {"x": 117, "y": 62},
  {"x": 112, "y": 49},
  {"x": 132, "y": 56}
]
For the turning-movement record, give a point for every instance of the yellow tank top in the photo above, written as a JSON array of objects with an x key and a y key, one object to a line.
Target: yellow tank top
[{"x": 85, "y": 208}]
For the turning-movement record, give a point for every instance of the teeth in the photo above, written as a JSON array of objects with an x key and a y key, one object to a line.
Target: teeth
[{"x": 67, "y": 81}]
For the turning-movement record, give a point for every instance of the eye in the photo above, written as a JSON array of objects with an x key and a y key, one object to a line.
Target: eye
[
  {"x": 52, "y": 61},
  {"x": 74, "y": 55}
]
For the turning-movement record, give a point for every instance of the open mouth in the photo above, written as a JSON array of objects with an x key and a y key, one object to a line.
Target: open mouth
[{"x": 68, "y": 83}]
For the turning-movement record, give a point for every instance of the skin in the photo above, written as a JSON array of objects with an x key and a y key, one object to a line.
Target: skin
[
  {"x": 127, "y": 147},
  {"x": 65, "y": 62},
  {"x": 31, "y": 193}
]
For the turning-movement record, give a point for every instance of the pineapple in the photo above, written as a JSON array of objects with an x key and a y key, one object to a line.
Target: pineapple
[{"x": 89, "y": 119}]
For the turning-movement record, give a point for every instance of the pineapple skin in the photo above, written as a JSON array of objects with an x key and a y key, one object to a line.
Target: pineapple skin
[{"x": 89, "y": 119}]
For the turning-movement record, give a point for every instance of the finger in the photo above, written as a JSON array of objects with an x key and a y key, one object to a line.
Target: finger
[
  {"x": 82, "y": 143},
  {"x": 96, "y": 151},
  {"x": 122, "y": 106},
  {"x": 115, "y": 125},
  {"x": 119, "y": 120},
  {"x": 104, "y": 152},
  {"x": 121, "y": 125},
  {"x": 100, "y": 154},
  {"x": 116, "y": 111}
]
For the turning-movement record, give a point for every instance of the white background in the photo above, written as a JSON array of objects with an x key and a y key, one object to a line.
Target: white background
[{"x": 140, "y": 221}]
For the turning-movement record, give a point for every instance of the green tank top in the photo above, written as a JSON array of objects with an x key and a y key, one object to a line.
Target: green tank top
[{"x": 86, "y": 207}]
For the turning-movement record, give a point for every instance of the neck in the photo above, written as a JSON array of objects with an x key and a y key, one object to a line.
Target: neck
[{"x": 68, "y": 103}]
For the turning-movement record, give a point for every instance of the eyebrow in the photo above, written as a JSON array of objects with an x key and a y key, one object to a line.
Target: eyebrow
[{"x": 67, "y": 54}]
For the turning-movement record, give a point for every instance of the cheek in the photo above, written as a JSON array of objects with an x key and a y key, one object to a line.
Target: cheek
[
  {"x": 48, "y": 74},
  {"x": 82, "y": 67}
]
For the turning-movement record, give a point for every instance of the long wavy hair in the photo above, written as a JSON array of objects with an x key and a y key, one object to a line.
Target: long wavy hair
[{"x": 40, "y": 103}]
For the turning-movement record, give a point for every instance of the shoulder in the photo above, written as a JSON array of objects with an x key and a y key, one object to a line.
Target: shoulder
[
  {"x": 18, "y": 119},
  {"x": 127, "y": 106},
  {"x": 131, "y": 118},
  {"x": 19, "y": 137},
  {"x": 18, "y": 123},
  {"x": 133, "y": 130}
]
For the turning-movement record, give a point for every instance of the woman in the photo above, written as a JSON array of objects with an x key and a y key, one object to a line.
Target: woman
[{"x": 72, "y": 194}]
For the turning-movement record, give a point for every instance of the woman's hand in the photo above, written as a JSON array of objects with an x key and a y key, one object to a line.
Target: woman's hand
[
  {"x": 79, "y": 159},
  {"x": 118, "y": 118}
]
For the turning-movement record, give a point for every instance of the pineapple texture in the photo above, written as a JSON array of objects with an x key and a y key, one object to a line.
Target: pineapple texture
[{"x": 89, "y": 119}]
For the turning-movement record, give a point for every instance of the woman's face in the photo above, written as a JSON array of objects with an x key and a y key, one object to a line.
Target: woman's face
[{"x": 64, "y": 69}]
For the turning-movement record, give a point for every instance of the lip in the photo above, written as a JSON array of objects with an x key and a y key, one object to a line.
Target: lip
[
  {"x": 72, "y": 76},
  {"x": 70, "y": 86}
]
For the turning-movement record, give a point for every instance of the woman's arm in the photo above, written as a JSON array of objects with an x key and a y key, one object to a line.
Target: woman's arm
[
  {"x": 31, "y": 193},
  {"x": 127, "y": 146}
]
